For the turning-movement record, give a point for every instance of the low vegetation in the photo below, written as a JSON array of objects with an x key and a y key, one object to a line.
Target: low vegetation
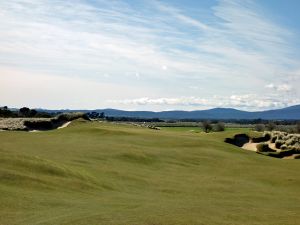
[
  {"x": 284, "y": 144},
  {"x": 285, "y": 140},
  {"x": 218, "y": 127},
  {"x": 282, "y": 126},
  {"x": 26, "y": 124}
]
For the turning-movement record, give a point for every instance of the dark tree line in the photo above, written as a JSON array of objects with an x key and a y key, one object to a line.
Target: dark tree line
[
  {"x": 23, "y": 112},
  {"x": 96, "y": 115}
]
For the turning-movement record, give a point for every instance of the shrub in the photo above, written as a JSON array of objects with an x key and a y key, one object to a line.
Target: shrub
[
  {"x": 263, "y": 147},
  {"x": 72, "y": 116},
  {"x": 219, "y": 127},
  {"x": 267, "y": 136},
  {"x": 238, "y": 140},
  {"x": 259, "y": 127},
  {"x": 206, "y": 126},
  {"x": 278, "y": 144},
  {"x": 292, "y": 141},
  {"x": 283, "y": 147},
  {"x": 271, "y": 126}
]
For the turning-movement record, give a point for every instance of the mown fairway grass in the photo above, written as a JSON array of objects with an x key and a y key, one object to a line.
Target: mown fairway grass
[{"x": 103, "y": 173}]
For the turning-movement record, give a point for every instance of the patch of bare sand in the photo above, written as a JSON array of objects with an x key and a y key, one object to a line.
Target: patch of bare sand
[
  {"x": 272, "y": 146},
  {"x": 64, "y": 125},
  {"x": 250, "y": 146}
]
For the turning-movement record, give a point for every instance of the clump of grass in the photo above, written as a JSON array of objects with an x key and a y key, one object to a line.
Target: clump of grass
[{"x": 283, "y": 147}]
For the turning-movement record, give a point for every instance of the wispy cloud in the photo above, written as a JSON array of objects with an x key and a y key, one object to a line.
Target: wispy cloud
[{"x": 156, "y": 47}]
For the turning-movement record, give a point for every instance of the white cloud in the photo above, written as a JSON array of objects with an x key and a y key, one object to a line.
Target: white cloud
[{"x": 279, "y": 87}]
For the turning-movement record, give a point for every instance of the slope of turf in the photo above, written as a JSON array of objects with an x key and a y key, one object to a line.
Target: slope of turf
[{"x": 103, "y": 173}]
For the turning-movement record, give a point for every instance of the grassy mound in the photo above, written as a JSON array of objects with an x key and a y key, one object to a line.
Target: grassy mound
[{"x": 54, "y": 122}]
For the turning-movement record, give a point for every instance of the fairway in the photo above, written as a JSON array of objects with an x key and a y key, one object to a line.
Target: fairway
[{"x": 92, "y": 173}]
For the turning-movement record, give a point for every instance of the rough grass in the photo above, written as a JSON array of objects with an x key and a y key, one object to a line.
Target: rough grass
[{"x": 103, "y": 173}]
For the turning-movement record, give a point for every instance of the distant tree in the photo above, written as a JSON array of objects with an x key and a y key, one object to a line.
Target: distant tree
[
  {"x": 93, "y": 115},
  {"x": 33, "y": 113},
  {"x": 271, "y": 126},
  {"x": 102, "y": 115},
  {"x": 206, "y": 126},
  {"x": 259, "y": 127},
  {"x": 24, "y": 112},
  {"x": 5, "y": 112},
  {"x": 220, "y": 126}
]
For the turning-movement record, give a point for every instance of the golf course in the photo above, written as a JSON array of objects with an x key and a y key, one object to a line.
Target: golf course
[{"x": 92, "y": 173}]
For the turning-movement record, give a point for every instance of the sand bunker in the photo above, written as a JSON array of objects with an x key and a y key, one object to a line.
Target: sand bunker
[
  {"x": 266, "y": 147},
  {"x": 60, "y": 127},
  {"x": 250, "y": 146}
]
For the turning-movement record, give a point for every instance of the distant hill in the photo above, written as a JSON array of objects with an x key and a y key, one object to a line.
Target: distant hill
[{"x": 289, "y": 113}]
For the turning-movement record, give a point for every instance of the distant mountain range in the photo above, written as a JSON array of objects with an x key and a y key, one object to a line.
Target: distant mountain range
[{"x": 289, "y": 113}]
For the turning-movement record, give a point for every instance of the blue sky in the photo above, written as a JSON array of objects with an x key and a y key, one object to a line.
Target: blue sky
[{"x": 150, "y": 55}]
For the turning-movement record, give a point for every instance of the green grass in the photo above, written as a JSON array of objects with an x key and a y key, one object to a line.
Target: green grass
[
  {"x": 103, "y": 173},
  {"x": 182, "y": 129}
]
